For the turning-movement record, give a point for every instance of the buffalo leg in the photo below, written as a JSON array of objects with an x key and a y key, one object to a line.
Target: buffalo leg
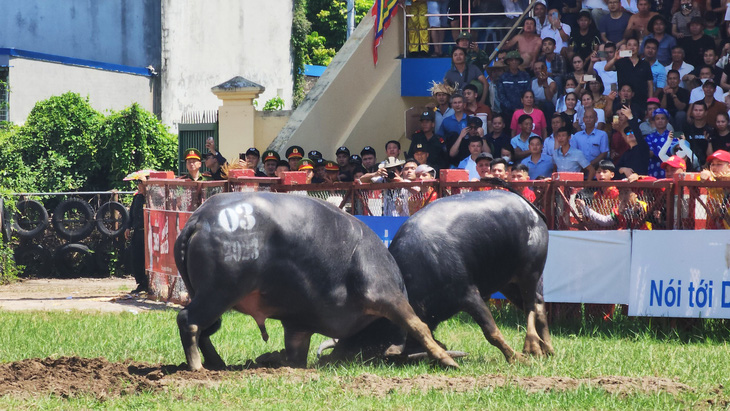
[
  {"x": 537, "y": 338},
  {"x": 213, "y": 361},
  {"x": 192, "y": 321},
  {"x": 296, "y": 344},
  {"x": 474, "y": 306},
  {"x": 402, "y": 314}
]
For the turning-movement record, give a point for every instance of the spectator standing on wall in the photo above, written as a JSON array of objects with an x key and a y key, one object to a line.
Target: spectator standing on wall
[{"x": 512, "y": 84}]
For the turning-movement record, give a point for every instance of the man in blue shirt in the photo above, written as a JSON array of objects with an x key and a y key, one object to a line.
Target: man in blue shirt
[
  {"x": 592, "y": 141},
  {"x": 538, "y": 163},
  {"x": 658, "y": 72},
  {"x": 569, "y": 159}
]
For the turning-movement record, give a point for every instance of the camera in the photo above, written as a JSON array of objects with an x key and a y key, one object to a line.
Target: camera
[
  {"x": 242, "y": 156},
  {"x": 391, "y": 175}
]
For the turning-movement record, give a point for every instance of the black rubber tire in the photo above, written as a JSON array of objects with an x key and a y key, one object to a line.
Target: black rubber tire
[
  {"x": 73, "y": 219},
  {"x": 37, "y": 261},
  {"x": 31, "y": 219},
  {"x": 74, "y": 260},
  {"x": 105, "y": 219},
  {"x": 5, "y": 220}
]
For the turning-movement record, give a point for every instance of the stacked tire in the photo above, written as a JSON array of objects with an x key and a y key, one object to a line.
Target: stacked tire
[{"x": 73, "y": 220}]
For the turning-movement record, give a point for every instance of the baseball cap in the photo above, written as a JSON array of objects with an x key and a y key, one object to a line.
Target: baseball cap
[
  {"x": 721, "y": 155},
  {"x": 428, "y": 115},
  {"x": 676, "y": 162}
]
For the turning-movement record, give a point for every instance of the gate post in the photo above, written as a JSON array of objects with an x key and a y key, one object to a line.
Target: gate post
[{"x": 236, "y": 115}]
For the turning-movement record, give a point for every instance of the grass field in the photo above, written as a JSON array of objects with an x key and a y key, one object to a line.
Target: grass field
[{"x": 697, "y": 355}]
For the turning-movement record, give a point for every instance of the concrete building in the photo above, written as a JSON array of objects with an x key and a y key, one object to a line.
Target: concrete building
[{"x": 163, "y": 54}]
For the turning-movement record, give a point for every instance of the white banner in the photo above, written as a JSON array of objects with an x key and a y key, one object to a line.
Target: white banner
[
  {"x": 680, "y": 274},
  {"x": 588, "y": 267}
]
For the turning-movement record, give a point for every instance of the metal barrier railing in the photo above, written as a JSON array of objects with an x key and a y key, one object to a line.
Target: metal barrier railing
[
  {"x": 568, "y": 205},
  {"x": 465, "y": 24}
]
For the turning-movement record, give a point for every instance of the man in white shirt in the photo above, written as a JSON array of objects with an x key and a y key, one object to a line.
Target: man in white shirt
[
  {"x": 608, "y": 77},
  {"x": 697, "y": 94},
  {"x": 679, "y": 64},
  {"x": 557, "y": 30},
  {"x": 469, "y": 163}
]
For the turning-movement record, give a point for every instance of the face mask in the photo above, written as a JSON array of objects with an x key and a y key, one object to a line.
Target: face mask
[
  {"x": 703, "y": 80},
  {"x": 507, "y": 158},
  {"x": 569, "y": 90},
  {"x": 686, "y": 7}
]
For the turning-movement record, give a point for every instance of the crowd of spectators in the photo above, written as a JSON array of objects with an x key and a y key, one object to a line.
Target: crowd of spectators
[{"x": 633, "y": 87}]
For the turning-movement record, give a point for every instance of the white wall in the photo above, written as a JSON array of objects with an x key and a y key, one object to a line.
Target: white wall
[
  {"x": 236, "y": 38},
  {"x": 32, "y": 80}
]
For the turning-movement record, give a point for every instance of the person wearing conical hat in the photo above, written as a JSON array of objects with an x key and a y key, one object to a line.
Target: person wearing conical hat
[
  {"x": 193, "y": 162},
  {"x": 135, "y": 230}
]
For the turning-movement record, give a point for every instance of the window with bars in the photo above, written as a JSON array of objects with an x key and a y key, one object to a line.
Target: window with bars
[{"x": 4, "y": 91}]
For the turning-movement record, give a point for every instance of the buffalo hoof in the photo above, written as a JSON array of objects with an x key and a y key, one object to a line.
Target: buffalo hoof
[
  {"x": 518, "y": 357},
  {"x": 272, "y": 359},
  {"x": 214, "y": 365},
  {"x": 532, "y": 346},
  {"x": 394, "y": 350}
]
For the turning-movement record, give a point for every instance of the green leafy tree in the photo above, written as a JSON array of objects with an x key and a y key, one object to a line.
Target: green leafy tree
[
  {"x": 329, "y": 19},
  {"x": 317, "y": 53},
  {"x": 130, "y": 140},
  {"x": 58, "y": 142}
]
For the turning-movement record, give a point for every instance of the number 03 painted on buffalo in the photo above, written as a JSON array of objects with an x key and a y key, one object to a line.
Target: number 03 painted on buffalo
[{"x": 241, "y": 216}]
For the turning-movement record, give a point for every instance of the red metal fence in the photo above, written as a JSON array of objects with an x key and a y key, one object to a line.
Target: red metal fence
[{"x": 568, "y": 205}]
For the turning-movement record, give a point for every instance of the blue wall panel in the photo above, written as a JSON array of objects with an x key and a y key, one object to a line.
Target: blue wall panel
[{"x": 417, "y": 75}]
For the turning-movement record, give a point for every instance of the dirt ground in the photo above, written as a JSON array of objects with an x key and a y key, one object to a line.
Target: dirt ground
[
  {"x": 73, "y": 376},
  {"x": 106, "y": 295}
]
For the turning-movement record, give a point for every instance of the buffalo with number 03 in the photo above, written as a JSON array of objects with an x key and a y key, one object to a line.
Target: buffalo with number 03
[{"x": 292, "y": 258}]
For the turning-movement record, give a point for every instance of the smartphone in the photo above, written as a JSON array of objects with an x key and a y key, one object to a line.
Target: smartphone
[
  {"x": 589, "y": 77},
  {"x": 242, "y": 156},
  {"x": 602, "y": 55},
  {"x": 614, "y": 87},
  {"x": 625, "y": 53}
]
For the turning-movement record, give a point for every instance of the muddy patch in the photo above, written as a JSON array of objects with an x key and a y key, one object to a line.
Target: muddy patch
[
  {"x": 102, "y": 379},
  {"x": 368, "y": 384}
]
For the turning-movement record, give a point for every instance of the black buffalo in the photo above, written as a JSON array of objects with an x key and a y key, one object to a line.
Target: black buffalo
[
  {"x": 458, "y": 251},
  {"x": 291, "y": 258}
]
